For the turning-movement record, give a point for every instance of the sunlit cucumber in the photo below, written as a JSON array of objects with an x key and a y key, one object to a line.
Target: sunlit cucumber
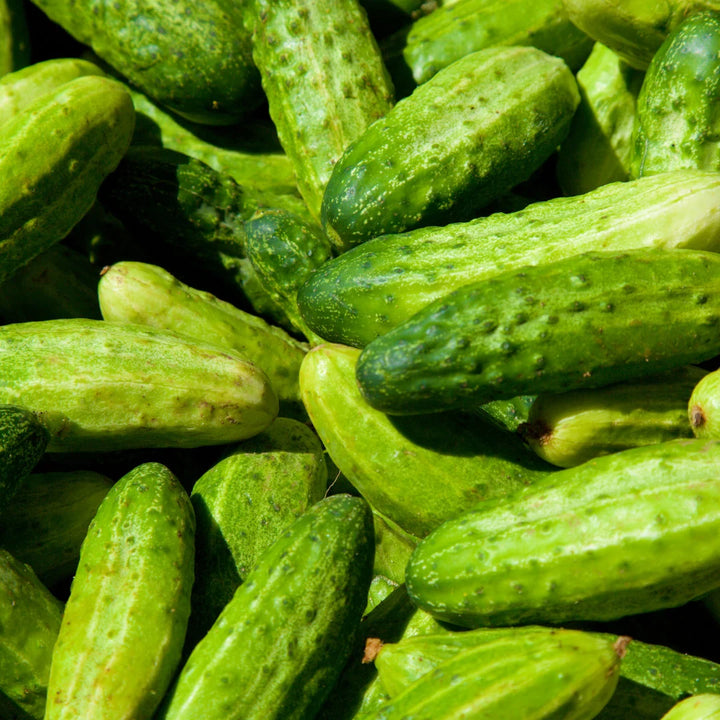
[{"x": 697, "y": 707}]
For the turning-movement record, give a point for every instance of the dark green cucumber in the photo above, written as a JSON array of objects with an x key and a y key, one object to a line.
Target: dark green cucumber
[
  {"x": 584, "y": 322},
  {"x": 124, "y": 623},
  {"x": 625, "y": 533},
  {"x": 243, "y": 504},
  {"x": 48, "y": 518},
  {"x": 23, "y": 440},
  {"x": 473, "y": 131},
  {"x": 373, "y": 288},
  {"x": 196, "y": 60},
  {"x": 98, "y": 385},
  {"x": 295, "y": 616},
  {"x": 676, "y": 120},
  {"x": 573, "y": 427},
  {"x": 14, "y": 37},
  {"x": 324, "y": 80},
  {"x": 54, "y": 161},
  {"x": 417, "y": 471},
  {"x": 29, "y": 625}
]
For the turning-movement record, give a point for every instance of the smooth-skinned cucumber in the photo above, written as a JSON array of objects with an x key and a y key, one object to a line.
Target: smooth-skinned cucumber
[
  {"x": 625, "y": 533},
  {"x": 705, "y": 706},
  {"x": 583, "y": 322}
]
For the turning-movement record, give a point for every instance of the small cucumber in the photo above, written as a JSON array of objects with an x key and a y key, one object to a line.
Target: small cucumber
[
  {"x": 697, "y": 707},
  {"x": 625, "y": 533},
  {"x": 584, "y": 322},
  {"x": 704, "y": 406},
  {"x": 296, "y": 615},
  {"x": 473, "y": 131},
  {"x": 416, "y": 471},
  {"x": 125, "y": 620}
]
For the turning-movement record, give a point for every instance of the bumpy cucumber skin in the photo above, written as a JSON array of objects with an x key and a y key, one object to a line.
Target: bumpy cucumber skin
[
  {"x": 48, "y": 519},
  {"x": 416, "y": 471},
  {"x": 698, "y": 707},
  {"x": 584, "y": 322},
  {"x": 97, "y": 385},
  {"x": 145, "y": 294},
  {"x": 296, "y": 615},
  {"x": 55, "y": 155},
  {"x": 243, "y": 504},
  {"x": 576, "y": 426},
  {"x": 626, "y": 533},
  {"x": 676, "y": 123},
  {"x": 374, "y": 287},
  {"x": 460, "y": 140},
  {"x": 125, "y": 619},
  {"x": 324, "y": 80},
  {"x": 562, "y": 673},
  {"x": 29, "y": 625},
  {"x": 194, "y": 59}
]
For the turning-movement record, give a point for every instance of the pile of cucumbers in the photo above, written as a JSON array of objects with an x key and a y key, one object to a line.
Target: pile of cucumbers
[{"x": 359, "y": 360}]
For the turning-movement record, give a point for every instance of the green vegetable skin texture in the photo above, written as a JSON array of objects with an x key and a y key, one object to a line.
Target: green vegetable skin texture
[
  {"x": 704, "y": 406},
  {"x": 98, "y": 385},
  {"x": 583, "y": 322},
  {"x": 676, "y": 122},
  {"x": 244, "y": 503},
  {"x": 460, "y": 140},
  {"x": 280, "y": 644},
  {"x": 145, "y": 294},
  {"x": 416, "y": 471},
  {"x": 562, "y": 674},
  {"x": 194, "y": 59},
  {"x": 698, "y": 707},
  {"x": 374, "y": 287},
  {"x": 56, "y": 152},
  {"x": 626, "y": 533},
  {"x": 324, "y": 80},
  {"x": 29, "y": 624},
  {"x": 124, "y": 623},
  {"x": 14, "y": 37}
]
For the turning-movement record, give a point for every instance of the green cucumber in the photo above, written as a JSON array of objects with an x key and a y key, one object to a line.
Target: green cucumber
[
  {"x": 195, "y": 60},
  {"x": 54, "y": 161},
  {"x": 324, "y": 80},
  {"x": 573, "y": 427},
  {"x": 510, "y": 413},
  {"x": 583, "y": 322},
  {"x": 296, "y": 615},
  {"x": 598, "y": 148},
  {"x": 243, "y": 503},
  {"x": 625, "y": 533},
  {"x": 676, "y": 123},
  {"x": 145, "y": 294},
  {"x": 705, "y": 706},
  {"x": 98, "y": 385},
  {"x": 704, "y": 405},
  {"x": 380, "y": 588},
  {"x": 29, "y": 625},
  {"x": 393, "y": 547},
  {"x": 473, "y": 131},
  {"x": 14, "y": 37},
  {"x": 48, "y": 518},
  {"x": 373, "y": 288},
  {"x": 416, "y": 471},
  {"x": 124, "y": 623}
]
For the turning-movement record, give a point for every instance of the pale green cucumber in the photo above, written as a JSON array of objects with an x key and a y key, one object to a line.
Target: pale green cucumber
[
  {"x": 696, "y": 707},
  {"x": 145, "y": 294},
  {"x": 29, "y": 625},
  {"x": 98, "y": 385},
  {"x": 417, "y": 471},
  {"x": 124, "y": 623}
]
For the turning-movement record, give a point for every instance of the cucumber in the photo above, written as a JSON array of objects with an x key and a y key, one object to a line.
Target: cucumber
[
  {"x": 125, "y": 620},
  {"x": 477, "y": 128},
  {"x": 573, "y": 427},
  {"x": 416, "y": 471},
  {"x": 393, "y": 547},
  {"x": 324, "y": 80},
  {"x": 703, "y": 406},
  {"x": 296, "y": 614},
  {"x": 373, "y": 288},
  {"x": 163, "y": 49},
  {"x": 30, "y": 619},
  {"x": 698, "y": 707},
  {"x": 676, "y": 123},
  {"x": 243, "y": 503},
  {"x": 48, "y": 518},
  {"x": 54, "y": 161},
  {"x": 97, "y": 385},
  {"x": 584, "y": 322},
  {"x": 145, "y": 294},
  {"x": 625, "y": 533},
  {"x": 14, "y": 37}
]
